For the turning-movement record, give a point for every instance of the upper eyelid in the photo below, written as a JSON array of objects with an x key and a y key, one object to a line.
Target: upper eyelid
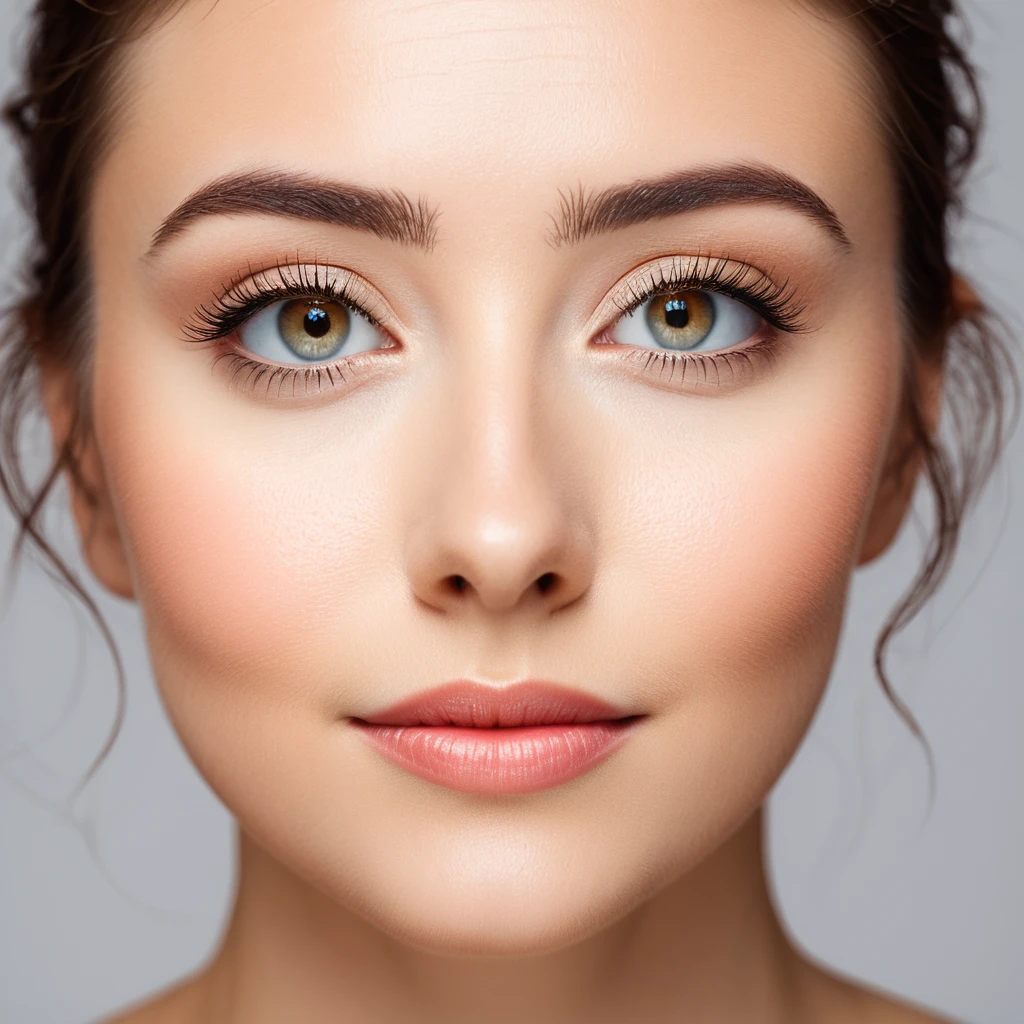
[
  {"x": 278, "y": 280},
  {"x": 307, "y": 277},
  {"x": 246, "y": 295},
  {"x": 698, "y": 265},
  {"x": 675, "y": 264}
]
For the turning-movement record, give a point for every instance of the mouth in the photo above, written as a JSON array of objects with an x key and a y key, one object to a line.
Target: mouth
[{"x": 520, "y": 738}]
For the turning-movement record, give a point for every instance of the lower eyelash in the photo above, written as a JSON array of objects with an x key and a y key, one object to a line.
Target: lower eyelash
[
  {"x": 694, "y": 368},
  {"x": 700, "y": 369},
  {"x": 270, "y": 379}
]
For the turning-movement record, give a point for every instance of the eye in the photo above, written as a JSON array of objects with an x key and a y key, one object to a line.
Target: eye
[
  {"x": 309, "y": 330},
  {"x": 688, "y": 321}
]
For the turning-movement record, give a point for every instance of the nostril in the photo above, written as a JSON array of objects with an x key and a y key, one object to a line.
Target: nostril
[
  {"x": 545, "y": 582},
  {"x": 457, "y": 584}
]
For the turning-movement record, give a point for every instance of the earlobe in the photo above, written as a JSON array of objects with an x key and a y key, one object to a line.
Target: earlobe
[
  {"x": 918, "y": 426},
  {"x": 74, "y": 443},
  {"x": 892, "y": 499}
]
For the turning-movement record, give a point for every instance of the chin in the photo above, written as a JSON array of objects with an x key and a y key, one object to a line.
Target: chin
[
  {"x": 503, "y": 903},
  {"x": 506, "y": 930}
]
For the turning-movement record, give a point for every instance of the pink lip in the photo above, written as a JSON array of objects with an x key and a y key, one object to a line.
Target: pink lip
[{"x": 482, "y": 739}]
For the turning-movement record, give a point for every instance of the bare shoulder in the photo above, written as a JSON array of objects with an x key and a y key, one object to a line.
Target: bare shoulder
[
  {"x": 827, "y": 995},
  {"x": 177, "y": 1005},
  {"x": 882, "y": 1009}
]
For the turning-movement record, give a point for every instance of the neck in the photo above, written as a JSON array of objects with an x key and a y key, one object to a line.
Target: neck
[{"x": 707, "y": 948}]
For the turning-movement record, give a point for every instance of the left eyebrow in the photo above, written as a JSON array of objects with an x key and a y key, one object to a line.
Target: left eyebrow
[
  {"x": 582, "y": 214},
  {"x": 387, "y": 213}
]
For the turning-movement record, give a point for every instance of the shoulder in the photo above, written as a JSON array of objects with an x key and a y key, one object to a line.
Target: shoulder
[
  {"x": 881, "y": 1009},
  {"x": 827, "y": 995},
  {"x": 180, "y": 1004}
]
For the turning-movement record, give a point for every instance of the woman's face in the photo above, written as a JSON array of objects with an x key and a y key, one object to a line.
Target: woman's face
[{"x": 483, "y": 470}]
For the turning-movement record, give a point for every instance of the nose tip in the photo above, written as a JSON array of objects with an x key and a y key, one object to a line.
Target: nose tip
[{"x": 500, "y": 554}]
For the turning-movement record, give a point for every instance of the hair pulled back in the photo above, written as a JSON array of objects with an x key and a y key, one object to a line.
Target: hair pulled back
[{"x": 930, "y": 106}]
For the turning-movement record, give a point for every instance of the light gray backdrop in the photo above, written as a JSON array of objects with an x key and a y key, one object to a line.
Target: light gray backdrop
[{"x": 107, "y": 901}]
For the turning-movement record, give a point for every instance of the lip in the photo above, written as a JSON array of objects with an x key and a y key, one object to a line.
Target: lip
[{"x": 519, "y": 738}]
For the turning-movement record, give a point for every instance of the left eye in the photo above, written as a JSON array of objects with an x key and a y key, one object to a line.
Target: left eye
[
  {"x": 688, "y": 321},
  {"x": 308, "y": 330}
]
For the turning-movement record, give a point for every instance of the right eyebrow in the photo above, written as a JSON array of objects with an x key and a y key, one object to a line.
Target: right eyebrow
[
  {"x": 583, "y": 213},
  {"x": 387, "y": 213}
]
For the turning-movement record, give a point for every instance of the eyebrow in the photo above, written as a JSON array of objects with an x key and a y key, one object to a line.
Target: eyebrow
[
  {"x": 387, "y": 213},
  {"x": 582, "y": 214}
]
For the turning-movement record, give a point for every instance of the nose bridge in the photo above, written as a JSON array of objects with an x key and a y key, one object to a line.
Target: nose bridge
[
  {"x": 494, "y": 445},
  {"x": 499, "y": 528}
]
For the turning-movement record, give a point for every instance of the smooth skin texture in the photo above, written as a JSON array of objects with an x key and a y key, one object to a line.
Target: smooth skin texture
[{"x": 293, "y": 557}]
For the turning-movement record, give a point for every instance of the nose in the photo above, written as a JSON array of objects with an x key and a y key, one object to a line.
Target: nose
[{"x": 501, "y": 522}]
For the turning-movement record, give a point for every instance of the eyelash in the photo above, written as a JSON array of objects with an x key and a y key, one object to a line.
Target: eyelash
[
  {"x": 243, "y": 298},
  {"x": 775, "y": 303}
]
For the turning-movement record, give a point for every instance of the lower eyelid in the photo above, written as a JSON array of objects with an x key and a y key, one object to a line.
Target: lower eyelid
[
  {"x": 728, "y": 368},
  {"x": 272, "y": 380}
]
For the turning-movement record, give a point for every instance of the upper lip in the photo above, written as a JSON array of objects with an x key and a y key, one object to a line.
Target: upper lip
[{"x": 468, "y": 704}]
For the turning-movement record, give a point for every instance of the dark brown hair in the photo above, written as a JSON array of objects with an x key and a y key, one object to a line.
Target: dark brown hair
[{"x": 928, "y": 99}]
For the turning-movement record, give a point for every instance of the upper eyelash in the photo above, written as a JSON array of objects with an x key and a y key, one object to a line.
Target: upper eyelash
[
  {"x": 775, "y": 303},
  {"x": 240, "y": 300}
]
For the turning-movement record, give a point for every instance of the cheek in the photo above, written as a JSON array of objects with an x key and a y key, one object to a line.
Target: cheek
[
  {"x": 251, "y": 531},
  {"x": 760, "y": 505},
  {"x": 801, "y": 506},
  {"x": 745, "y": 517},
  {"x": 791, "y": 512}
]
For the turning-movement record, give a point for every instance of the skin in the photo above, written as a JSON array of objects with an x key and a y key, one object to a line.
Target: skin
[{"x": 292, "y": 558}]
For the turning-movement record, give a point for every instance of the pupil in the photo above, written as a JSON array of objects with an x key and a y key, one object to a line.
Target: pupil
[
  {"x": 317, "y": 322},
  {"x": 676, "y": 313}
]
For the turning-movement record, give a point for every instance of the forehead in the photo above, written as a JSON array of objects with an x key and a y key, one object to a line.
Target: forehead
[{"x": 494, "y": 101}]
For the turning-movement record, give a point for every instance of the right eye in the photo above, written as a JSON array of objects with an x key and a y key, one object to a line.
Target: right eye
[
  {"x": 688, "y": 320},
  {"x": 309, "y": 330}
]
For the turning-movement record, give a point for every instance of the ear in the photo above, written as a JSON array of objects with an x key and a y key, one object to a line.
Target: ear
[
  {"x": 90, "y": 499},
  {"x": 905, "y": 456}
]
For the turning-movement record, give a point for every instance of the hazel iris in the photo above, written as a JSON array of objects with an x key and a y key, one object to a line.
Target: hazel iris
[
  {"x": 681, "y": 320},
  {"x": 314, "y": 329}
]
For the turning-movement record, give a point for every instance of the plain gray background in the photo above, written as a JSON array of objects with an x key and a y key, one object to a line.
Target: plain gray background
[{"x": 126, "y": 891}]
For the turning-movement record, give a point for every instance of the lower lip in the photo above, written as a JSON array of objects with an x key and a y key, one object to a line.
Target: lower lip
[{"x": 525, "y": 759}]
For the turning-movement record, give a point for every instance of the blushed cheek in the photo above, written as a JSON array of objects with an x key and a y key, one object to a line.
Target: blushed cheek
[
  {"x": 796, "y": 549},
  {"x": 248, "y": 529},
  {"x": 779, "y": 571},
  {"x": 746, "y": 523}
]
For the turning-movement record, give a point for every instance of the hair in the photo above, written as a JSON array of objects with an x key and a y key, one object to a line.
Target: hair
[{"x": 931, "y": 109}]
